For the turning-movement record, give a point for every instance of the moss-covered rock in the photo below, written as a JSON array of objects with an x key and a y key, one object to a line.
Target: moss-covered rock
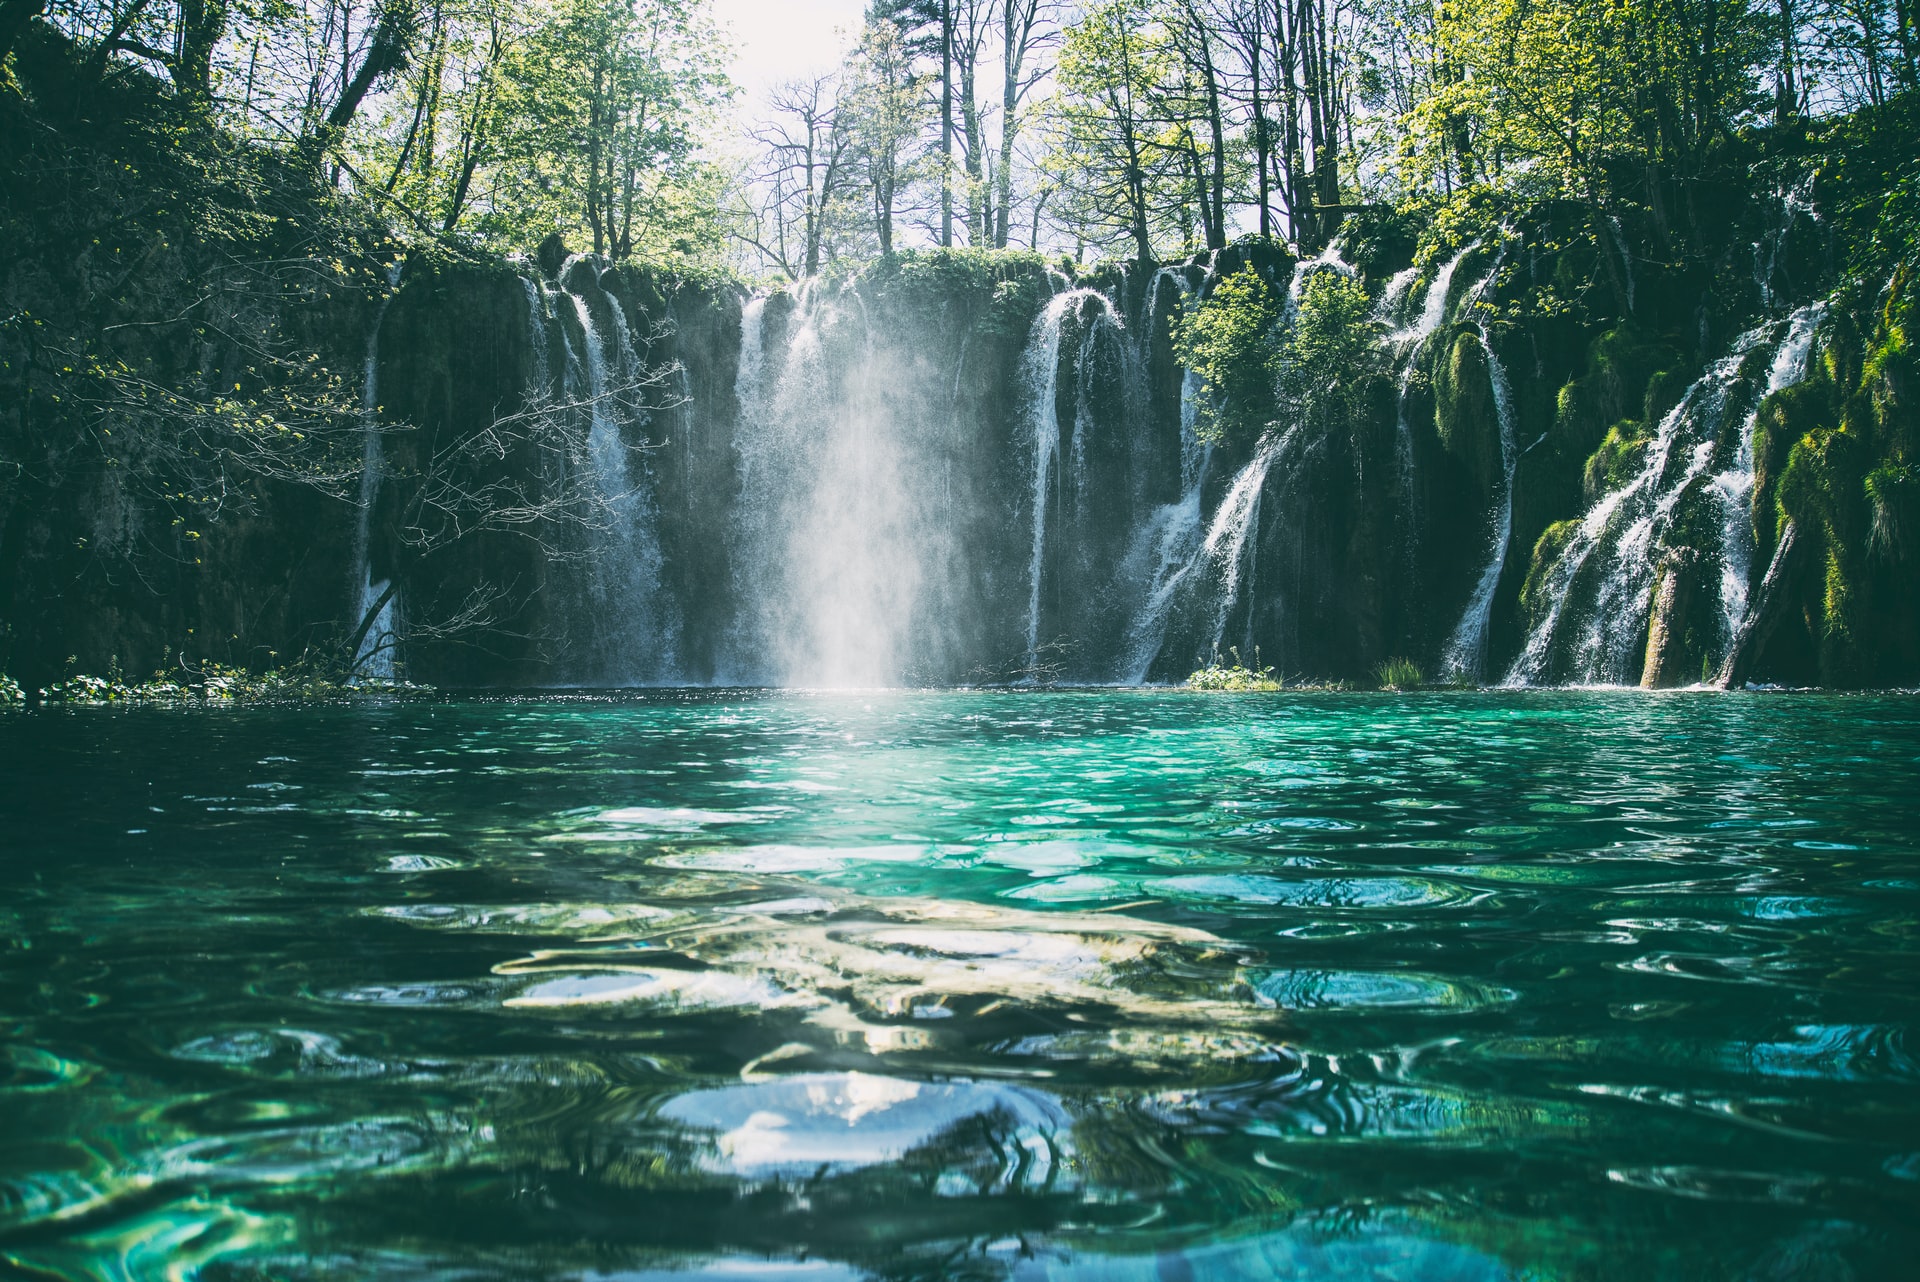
[
  {"x": 1546, "y": 553},
  {"x": 1618, "y": 460}
]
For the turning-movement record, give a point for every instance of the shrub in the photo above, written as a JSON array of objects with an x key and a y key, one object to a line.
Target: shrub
[{"x": 1229, "y": 340}]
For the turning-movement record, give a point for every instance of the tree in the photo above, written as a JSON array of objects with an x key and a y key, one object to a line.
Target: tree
[
  {"x": 1107, "y": 148},
  {"x": 14, "y": 17},
  {"x": 1025, "y": 32},
  {"x": 604, "y": 102},
  {"x": 886, "y": 110},
  {"x": 1330, "y": 353},
  {"x": 810, "y": 169}
]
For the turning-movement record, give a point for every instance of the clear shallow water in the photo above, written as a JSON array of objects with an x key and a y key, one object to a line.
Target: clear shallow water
[{"x": 1079, "y": 985}]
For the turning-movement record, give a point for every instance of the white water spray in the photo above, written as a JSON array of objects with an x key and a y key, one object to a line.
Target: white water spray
[{"x": 1466, "y": 651}]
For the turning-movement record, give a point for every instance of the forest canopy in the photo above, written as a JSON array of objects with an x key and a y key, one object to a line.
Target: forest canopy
[{"x": 1146, "y": 128}]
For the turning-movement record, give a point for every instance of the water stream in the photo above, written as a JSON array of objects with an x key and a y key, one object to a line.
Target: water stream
[{"x": 1465, "y": 655}]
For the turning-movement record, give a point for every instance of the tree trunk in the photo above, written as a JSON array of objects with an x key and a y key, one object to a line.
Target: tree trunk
[
  {"x": 1216, "y": 221},
  {"x": 392, "y": 44},
  {"x": 202, "y": 23},
  {"x": 1012, "y": 60},
  {"x": 1262, "y": 144},
  {"x": 974, "y": 128},
  {"x": 946, "y": 123},
  {"x": 1772, "y": 603}
]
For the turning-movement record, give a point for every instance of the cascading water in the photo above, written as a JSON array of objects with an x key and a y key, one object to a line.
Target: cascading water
[
  {"x": 1466, "y": 651},
  {"x": 1796, "y": 202},
  {"x": 1408, "y": 345},
  {"x": 1166, "y": 547},
  {"x": 1196, "y": 568},
  {"x": 1394, "y": 297},
  {"x": 766, "y": 461},
  {"x": 540, "y": 376},
  {"x": 1600, "y": 588},
  {"x": 898, "y": 510},
  {"x": 1232, "y": 534},
  {"x": 1040, "y": 376},
  {"x": 374, "y": 657},
  {"x": 847, "y": 541},
  {"x": 628, "y": 624},
  {"x": 1052, "y": 484},
  {"x": 1734, "y": 487}
]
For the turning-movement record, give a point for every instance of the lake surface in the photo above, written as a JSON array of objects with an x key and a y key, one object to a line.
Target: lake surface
[{"x": 970, "y": 985}]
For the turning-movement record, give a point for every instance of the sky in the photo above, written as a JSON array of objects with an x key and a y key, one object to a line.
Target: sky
[{"x": 783, "y": 39}]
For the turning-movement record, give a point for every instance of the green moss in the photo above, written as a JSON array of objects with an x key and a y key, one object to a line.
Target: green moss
[
  {"x": 1546, "y": 552},
  {"x": 1617, "y": 461},
  {"x": 1664, "y": 391},
  {"x": 1464, "y": 417}
]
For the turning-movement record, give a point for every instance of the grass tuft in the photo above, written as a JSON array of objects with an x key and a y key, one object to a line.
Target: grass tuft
[{"x": 1399, "y": 674}]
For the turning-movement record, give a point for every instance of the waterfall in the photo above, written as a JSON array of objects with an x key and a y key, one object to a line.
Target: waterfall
[
  {"x": 765, "y": 464},
  {"x": 1794, "y": 201},
  {"x": 1167, "y": 547},
  {"x": 1408, "y": 345},
  {"x": 1234, "y": 524},
  {"x": 374, "y": 656},
  {"x": 540, "y": 377},
  {"x": 1734, "y": 487},
  {"x": 1466, "y": 651},
  {"x": 845, "y": 558},
  {"x": 627, "y": 619},
  {"x": 1394, "y": 297},
  {"x": 1197, "y": 569},
  {"x": 1626, "y": 259},
  {"x": 752, "y": 370},
  {"x": 1040, "y": 382},
  {"x": 1433, "y": 307},
  {"x": 1600, "y": 587}
]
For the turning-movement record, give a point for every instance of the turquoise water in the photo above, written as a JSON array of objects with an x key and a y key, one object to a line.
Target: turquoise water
[{"x": 1077, "y": 985}]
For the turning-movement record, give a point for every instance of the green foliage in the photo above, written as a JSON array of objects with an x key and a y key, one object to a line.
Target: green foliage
[
  {"x": 999, "y": 289},
  {"x": 1109, "y": 156},
  {"x": 311, "y": 677},
  {"x": 1399, "y": 675},
  {"x": 1230, "y": 340},
  {"x": 1381, "y": 239},
  {"x": 11, "y": 695},
  {"x": 1320, "y": 365},
  {"x": 1332, "y": 351},
  {"x": 1234, "y": 678},
  {"x": 1561, "y": 98},
  {"x": 596, "y": 126},
  {"x": 1867, "y": 168}
]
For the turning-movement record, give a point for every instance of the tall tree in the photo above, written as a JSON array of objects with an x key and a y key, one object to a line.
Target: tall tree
[
  {"x": 885, "y": 108},
  {"x": 1026, "y": 32},
  {"x": 1107, "y": 150},
  {"x": 810, "y": 171}
]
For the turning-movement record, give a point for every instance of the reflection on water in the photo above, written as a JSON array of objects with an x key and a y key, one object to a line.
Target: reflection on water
[{"x": 1040, "y": 986}]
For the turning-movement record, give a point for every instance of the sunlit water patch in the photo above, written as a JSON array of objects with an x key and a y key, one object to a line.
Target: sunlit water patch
[{"x": 1038, "y": 986}]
